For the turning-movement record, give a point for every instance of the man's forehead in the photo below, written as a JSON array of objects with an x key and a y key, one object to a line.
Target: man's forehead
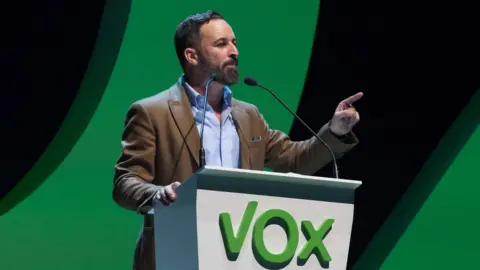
[{"x": 215, "y": 29}]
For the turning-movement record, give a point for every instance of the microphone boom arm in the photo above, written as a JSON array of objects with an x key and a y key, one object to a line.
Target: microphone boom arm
[
  {"x": 335, "y": 167},
  {"x": 201, "y": 156}
]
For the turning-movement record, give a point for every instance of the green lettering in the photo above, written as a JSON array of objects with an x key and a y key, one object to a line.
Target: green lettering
[
  {"x": 315, "y": 243},
  {"x": 233, "y": 244},
  {"x": 263, "y": 256},
  {"x": 269, "y": 260}
]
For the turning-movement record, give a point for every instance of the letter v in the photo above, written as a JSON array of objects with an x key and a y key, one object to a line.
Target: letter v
[{"x": 233, "y": 244}]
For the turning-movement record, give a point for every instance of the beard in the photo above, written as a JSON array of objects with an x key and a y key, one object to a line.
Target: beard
[{"x": 227, "y": 74}]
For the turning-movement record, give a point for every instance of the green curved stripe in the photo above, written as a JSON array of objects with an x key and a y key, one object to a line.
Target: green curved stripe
[
  {"x": 70, "y": 221},
  {"x": 435, "y": 224},
  {"x": 91, "y": 91}
]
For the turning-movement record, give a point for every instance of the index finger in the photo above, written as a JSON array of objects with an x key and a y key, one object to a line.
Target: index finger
[
  {"x": 350, "y": 100},
  {"x": 175, "y": 185},
  {"x": 170, "y": 192}
]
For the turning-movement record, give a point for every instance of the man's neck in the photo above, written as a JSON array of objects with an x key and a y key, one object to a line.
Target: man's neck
[{"x": 215, "y": 91}]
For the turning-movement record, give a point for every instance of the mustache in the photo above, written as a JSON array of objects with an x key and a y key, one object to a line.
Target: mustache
[{"x": 232, "y": 61}]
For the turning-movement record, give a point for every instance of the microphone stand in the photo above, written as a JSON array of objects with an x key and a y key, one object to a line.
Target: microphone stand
[
  {"x": 253, "y": 82},
  {"x": 202, "y": 149}
]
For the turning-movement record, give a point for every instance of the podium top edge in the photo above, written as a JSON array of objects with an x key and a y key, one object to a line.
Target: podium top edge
[{"x": 279, "y": 177}]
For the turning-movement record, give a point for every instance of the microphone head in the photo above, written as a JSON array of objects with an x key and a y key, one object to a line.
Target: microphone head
[
  {"x": 250, "y": 81},
  {"x": 213, "y": 76}
]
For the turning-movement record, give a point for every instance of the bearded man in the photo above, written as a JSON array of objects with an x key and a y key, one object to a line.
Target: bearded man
[{"x": 161, "y": 141}]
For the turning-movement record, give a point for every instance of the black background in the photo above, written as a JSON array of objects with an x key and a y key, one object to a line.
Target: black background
[{"x": 416, "y": 62}]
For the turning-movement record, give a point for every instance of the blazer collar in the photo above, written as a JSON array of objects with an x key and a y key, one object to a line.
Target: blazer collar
[{"x": 180, "y": 109}]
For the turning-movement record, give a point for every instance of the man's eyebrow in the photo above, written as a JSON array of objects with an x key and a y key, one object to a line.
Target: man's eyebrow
[
  {"x": 220, "y": 39},
  {"x": 224, "y": 39}
]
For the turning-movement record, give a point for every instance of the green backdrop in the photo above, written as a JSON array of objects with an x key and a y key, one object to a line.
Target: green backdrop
[
  {"x": 437, "y": 217},
  {"x": 70, "y": 221}
]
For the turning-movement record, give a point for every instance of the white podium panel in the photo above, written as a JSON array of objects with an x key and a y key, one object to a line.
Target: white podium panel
[{"x": 241, "y": 219}]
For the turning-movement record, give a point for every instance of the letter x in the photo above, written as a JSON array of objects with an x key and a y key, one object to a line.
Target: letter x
[{"x": 315, "y": 240}]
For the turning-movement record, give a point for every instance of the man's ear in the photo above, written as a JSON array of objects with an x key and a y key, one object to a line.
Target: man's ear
[{"x": 191, "y": 56}]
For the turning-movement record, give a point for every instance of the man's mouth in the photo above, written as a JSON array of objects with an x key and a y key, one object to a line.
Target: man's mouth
[{"x": 233, "y": 63}]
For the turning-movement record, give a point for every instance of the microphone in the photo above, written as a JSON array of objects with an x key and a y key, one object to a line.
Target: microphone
[
  {"x": 202, "y": 150},
  {"x": 252, "y": 82}
]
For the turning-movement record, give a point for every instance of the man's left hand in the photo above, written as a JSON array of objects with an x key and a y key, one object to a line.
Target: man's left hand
[{"x": 345, "y": 116}]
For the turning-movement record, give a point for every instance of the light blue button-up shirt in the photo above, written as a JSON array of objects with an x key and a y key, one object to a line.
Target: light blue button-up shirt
[{"x": 220, "y": 138}]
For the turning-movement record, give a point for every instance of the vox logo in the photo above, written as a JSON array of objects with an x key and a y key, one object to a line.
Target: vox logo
[{"x": 314, "y": 245}]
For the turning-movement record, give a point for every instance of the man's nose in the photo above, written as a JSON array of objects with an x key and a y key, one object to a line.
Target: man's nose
[{"x": 233, "y": 51}]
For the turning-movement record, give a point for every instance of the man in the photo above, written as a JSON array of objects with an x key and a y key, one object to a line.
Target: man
[{"x": 160, "y": 143}]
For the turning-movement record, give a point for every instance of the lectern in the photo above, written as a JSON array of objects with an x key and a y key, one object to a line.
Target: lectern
[{"x": 242, "y": 219}]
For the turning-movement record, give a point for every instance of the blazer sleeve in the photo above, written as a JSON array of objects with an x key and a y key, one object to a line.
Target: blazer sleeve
[
  {"x": 135, "y": 169},
  {"x": 303, "y": 157}
]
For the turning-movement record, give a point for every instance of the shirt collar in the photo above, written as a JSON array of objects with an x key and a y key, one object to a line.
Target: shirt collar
[{"x": 196, "y": 100}]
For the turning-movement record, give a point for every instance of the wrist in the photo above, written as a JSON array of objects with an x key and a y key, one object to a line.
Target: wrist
[
  {"x": 336, "y": 133},
  {"x": 156, "y": 197}
]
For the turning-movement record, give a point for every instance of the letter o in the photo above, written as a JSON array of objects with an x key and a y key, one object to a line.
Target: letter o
[{"x": 288, "y": 224}]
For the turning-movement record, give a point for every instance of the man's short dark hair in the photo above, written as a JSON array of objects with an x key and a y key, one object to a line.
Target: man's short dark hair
[{"x": 188, "y": 32}]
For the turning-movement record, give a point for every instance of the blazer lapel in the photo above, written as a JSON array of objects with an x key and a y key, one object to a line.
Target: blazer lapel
[
  {"x": 182, "y": 114},
  {"x": 240, "y": 117}
]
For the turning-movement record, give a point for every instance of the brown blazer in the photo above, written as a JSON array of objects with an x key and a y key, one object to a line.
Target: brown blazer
[{"x": 160, "y": 145}]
